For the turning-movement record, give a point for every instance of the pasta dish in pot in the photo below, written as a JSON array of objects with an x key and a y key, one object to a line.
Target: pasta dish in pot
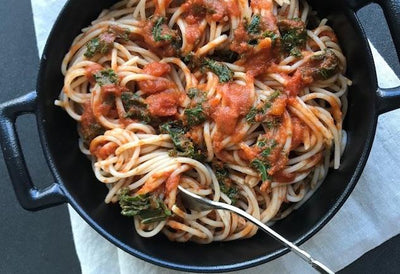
[{"x": 237, "y": 101}]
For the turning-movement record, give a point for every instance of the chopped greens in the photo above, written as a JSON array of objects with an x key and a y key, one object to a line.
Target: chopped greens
[
  {"x": 251, "y": 117},
  {"x": 147, "y": 207},
  {"x": 135, "y": 107},
  {"x": 271, "y": 35},
  {"x": 194, "y": 115},
  {"x": 254, "y": 26},
  {"x": 157, "y": 30},
  {"x": 90, "y": 131},
  {"x": 106, "y": 77},
  {"x": 262, "y": 168},
  {"x": 267, "y": 147},
  {"x": 226, "y": 186},
  {"x": 294, "y": 36},
  {"x": 231, "y": 191},
  {"x": 325, "y": 64},
  {"x": 261, "y": 163},
  {"x": 195, "y": 92},
  {"x": 224, "y": 73},
  {"x": 96, "y": 45},
  {"x": 183, "y": 145}
]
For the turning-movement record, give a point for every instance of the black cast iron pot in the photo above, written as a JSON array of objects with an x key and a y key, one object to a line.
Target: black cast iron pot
[{"x": 76, "y": 184}]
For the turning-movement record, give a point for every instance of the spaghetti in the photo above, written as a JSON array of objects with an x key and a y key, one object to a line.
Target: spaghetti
[{"x": 237, "y": 101}]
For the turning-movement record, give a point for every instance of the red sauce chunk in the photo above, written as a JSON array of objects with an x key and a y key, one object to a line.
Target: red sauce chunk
[
  {"x": 103, "y": 151},
  {"x": 236, "y": 101},
  {"x": 278, "y": 107},
  {"x": 164, "y": 103},
  {"x": 154, "y": 86},
  {"x": 259, "y": 62}
]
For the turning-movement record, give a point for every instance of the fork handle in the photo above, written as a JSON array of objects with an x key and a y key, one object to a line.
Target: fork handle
[{"x": 298, "y": 251}]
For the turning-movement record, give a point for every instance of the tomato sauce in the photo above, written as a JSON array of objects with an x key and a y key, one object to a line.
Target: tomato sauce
[
  {"x": 162, "y": 48},
  {"x": 91, "y": 70},
  {"x": 298, "y": 131},
  {"x": 261, "y": 4},
  {"x": 164, "y": 103},
  {"x": 193, "y": 33},
  {"x": 103, "y": 151},
  {"x": 172, "y": 182},
  {"x": 258, "y": 62},
  {"x": 278, "y": 107},
  {"x": 154, "y": 86},
  {"x": 89, "y": 126},
  {"x": 236, "y": 101},
  {"x": 295, "y": 84}
]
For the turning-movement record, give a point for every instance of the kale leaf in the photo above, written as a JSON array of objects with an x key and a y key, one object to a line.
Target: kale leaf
[
  {"x": 106, "y": 77},
  {"x": 147, "y": 207},
  {"x": 262, "y": 168},
  {"x": 97, "y": 45},
  {"x": 194, "y": 114},
  {"x": 225, "y": 183},
  {"x": 224, "y": 73},
  {"x": 135, "y": 107},
  {"x": 183, "y": 145},
  {"x": 157, "y": 29},
  {"x": 254, "y": 26}
]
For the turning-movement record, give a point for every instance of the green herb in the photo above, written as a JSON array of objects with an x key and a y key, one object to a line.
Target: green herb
[
  {"x": 194, "y": 92},
  {"x": 271, "y": 35},
  {"x": 124, "y": 35},
  {"x": 135, "y": 107},
  {"x": 147, "y": 207},
  {"x": 267, "y": 146},
  {"x": 254, "y": 111},
  {"x": 328, "y": 65},
  {"x": 251, "y": 116},
  {"x": 224, "y": 73},
  {"x": 157, "y": 29},
  {"x": 293, "y": 36},
  {"x": 262, "y": 168},
  {"x": 188, "y": 58},
  {"x": 272, "y": 123},
  {"x": 274, "y": 95},
  {"x": 96, "y": 45},
  {"x": 183, "y": 146},
  {"x": 195, "y": 115},
  {"x": 230, "y": 191},
  {"x": 90, "y": 131},
  {"x": 106, "y": 77},
  {"x": 267, "y": 151},
  {"x": 254, "y": 26},
  {"x": 226, "y": 186}
]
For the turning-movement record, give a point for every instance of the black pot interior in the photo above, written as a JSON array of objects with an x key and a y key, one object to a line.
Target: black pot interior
[{"x": 73, "y": 170}]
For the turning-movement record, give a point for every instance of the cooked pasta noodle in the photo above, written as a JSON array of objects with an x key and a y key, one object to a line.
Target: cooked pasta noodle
[{"x": 237, "y": 101}]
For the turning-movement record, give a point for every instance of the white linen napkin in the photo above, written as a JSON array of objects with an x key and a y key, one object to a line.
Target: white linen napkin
[{"x": 369, "y": 217}]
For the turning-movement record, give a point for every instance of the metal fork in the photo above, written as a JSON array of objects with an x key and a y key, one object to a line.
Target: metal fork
[{"x": 198, "y": 203}]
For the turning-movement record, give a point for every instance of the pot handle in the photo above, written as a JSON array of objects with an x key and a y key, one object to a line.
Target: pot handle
[
  {"x": 387, "y": 99},
  {"x": 27, "y": 194}
]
